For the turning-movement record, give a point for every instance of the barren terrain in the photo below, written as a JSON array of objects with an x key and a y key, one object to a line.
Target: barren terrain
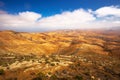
[{"x": 60, "y": 55}]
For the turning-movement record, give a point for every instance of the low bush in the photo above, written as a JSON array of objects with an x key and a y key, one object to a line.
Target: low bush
[
  {"x": 1, "y": 72},
  {"x": 78, "y": 77},
  {"x": 40, "y": 76}
]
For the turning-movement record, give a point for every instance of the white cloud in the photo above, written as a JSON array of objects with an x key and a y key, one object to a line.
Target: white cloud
[
  {"x": 30, "y": 21},
  {"x": 108, "y": 11},
  {"x": 23, "y": 19},
  {"x": 67, "y": 19}
]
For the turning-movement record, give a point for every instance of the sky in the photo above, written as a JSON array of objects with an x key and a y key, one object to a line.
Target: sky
[{"x": 46, "y": 15}]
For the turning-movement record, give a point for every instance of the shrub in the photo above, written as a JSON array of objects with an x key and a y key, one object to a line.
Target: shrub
[
  {"x": 12, "y": 78},
  {"x": 37, "y": 78},
  {"x": 40, "y": 76},
  {"x": 49, "y": 73},
  {"x": 78, "y": 77},
  {"x": 1, "y": 71},
  {"x": 52, "y": 64},
  {"x": 53, "y": 77}
]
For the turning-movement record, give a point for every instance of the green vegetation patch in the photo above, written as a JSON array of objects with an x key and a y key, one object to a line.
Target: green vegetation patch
[{"x": 2, "y": 71}]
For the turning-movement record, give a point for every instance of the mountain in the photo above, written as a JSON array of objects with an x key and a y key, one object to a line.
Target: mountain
[
  {"x": 60, "y": 55},
  {"x": 66, "y": 42}
]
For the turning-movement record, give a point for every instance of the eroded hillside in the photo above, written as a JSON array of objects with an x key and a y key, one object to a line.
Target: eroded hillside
[
  {"x": 60, "y": 42},
  {"x": 60, "y": 55}
]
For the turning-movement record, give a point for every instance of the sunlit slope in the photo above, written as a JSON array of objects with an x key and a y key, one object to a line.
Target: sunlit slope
[{"x": 67, "y": 42}]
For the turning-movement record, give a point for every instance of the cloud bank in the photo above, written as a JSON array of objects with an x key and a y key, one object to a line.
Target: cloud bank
[{"x": 104, "y": 17}]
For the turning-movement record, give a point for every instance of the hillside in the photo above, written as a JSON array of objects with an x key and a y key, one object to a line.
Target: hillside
[
  {"x": 60, "y": 55},
  {"x": 60, "y": 42}
]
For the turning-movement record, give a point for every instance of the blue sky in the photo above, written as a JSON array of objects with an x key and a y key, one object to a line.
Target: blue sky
[
  {"x": 40, "y": 15},
  {"x": 51, "y": 7}
]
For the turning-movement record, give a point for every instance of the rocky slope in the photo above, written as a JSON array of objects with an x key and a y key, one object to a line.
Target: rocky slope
[
  {"x": 60, "y": 55},
  {"x": 67, "y": 42}
]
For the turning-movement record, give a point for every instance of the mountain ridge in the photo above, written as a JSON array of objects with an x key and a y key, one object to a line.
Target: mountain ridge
[{"x": 58, "y": 42}]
